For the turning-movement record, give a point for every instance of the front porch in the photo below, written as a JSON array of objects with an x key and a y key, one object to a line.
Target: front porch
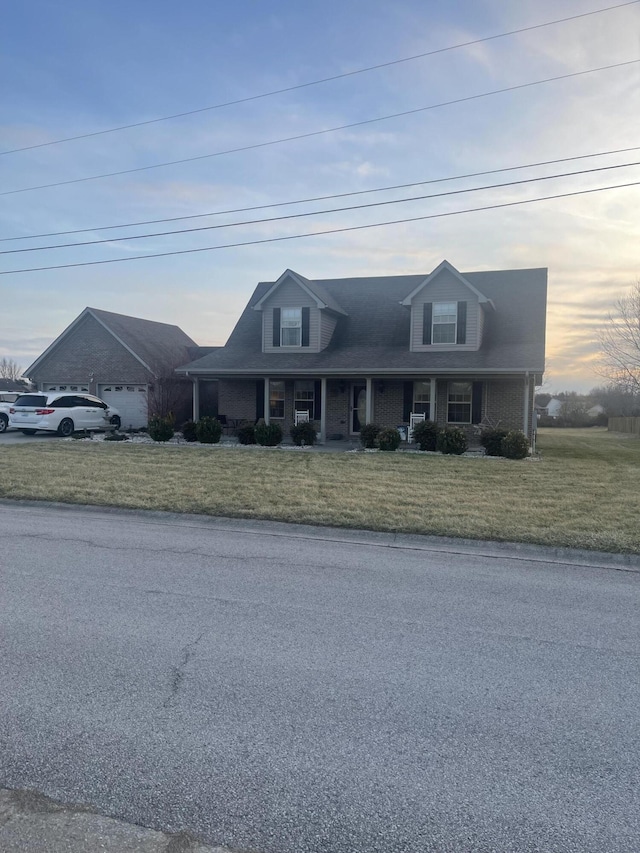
[{"x": 339, "y": 406}]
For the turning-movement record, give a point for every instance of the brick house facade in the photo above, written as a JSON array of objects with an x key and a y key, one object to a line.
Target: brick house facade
[{"x": 463, "y": 348}]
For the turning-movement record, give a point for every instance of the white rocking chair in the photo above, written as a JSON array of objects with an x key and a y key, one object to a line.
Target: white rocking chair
[
  {"x": 301, "y": 417},
  {"x": 414, "y": 418}
]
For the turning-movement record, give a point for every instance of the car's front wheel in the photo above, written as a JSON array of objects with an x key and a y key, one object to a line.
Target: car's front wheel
[
  {"x": 65, "y": 427},
  {"x": 4, "y": 423},
  {"x": 115, "y": 421}
]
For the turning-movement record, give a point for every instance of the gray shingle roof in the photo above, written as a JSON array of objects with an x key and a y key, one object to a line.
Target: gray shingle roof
[
  {"x": 374, "y": 334},
  {"x": 159, "y": 345}
]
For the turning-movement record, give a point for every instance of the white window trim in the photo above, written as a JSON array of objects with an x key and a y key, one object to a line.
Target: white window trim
[
  {"x": 448, "y": 323},
  {"x": 305, "y": 402},
  {"x": 298, "y": 326},
  {"x": 432, "y": 390},
  {"x": 457, "y": 403}
]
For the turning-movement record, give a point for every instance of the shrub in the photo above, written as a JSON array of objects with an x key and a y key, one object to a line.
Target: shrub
[
  {"x": 451, "y": 440},
  {"x": 268, "y": 435},
  {"x": 190, "y": 431},
  {"x": 161, "y": 429},
  {"x": 368, "y": 435},
  {"x": 425, "y": 435},
  {"x": 208, "y": 430},
  {"x": 491, "y": 440},
  {"x": 304, "y": 434},
  {"x": 246, "y": 433},
  {"x": 515, "y": 445},
  {"x": 389, "y": 439}
]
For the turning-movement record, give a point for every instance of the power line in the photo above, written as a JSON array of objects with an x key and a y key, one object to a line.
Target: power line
[
  {"x": 322, "y": 233},
  {"x": 313, "y": 133},
  {"x": 307, "y": 214},
  {"x": 322, "y": 197},
  {"x": 322, "y": 80}
]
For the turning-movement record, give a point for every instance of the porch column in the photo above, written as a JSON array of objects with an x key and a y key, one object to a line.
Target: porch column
[
  {"x": 323, "y": 409},
  {"x": 527, "y": 424},
  {"x": 433, "y": 415},
  {"x": 369, "y": 407},
  {"x": 196, "y": 399},
  {"x": 266, "y": 400}
]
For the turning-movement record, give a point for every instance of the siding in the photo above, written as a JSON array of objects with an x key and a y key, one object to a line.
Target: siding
[
  {"x": 328, "y": 324},
  {"x": 290, "y": 295},
  {"x": 446, "y": 288}
]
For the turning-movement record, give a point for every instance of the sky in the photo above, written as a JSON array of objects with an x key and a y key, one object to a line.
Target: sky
[{"x": 82, "y": 67}]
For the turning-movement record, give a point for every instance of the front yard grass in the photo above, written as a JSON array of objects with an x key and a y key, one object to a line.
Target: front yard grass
[{"x": 582, "y": 492}]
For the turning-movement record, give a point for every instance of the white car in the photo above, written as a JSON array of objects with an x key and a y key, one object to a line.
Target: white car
[
  {"x": 7, "y": 398},
  {"x": 61, "y": 413}
]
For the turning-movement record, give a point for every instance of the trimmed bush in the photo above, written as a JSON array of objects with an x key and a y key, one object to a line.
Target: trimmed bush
[
  {"x": 161, "y": 429},
  {"x": 425, "y": 435},
  {"x": 304, "y": 434},
  {"x": 451, "y": 440},
  {"x": 491, "y": 440},
  {"x": 190, "y": 431},
  {"x": 208, "y": 430},
  {"x": 268, "y": 435},
  {"x": 515, "y": 445},
  {"x": 389, "y": 439},
  {"x": 246, "y": 433},
  {"x": 368, "y": 435}
]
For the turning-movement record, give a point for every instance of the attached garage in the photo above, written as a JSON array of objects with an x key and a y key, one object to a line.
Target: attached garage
[
  {"x": 127, "y": 361},
  {"x": 129, "y": 400}
]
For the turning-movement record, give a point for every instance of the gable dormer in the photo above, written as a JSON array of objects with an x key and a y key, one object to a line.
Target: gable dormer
[
  {"x": 447, "y": 312},
  {"x": 297, "y": 315}
]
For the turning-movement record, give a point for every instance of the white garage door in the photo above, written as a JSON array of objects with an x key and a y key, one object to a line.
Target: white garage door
[{"x": 129, "y": 400}]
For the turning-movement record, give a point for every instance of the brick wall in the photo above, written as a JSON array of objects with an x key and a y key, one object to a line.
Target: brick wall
[
  {"x": 237, "y": 398},
  {"x": 89, "y": 350}
]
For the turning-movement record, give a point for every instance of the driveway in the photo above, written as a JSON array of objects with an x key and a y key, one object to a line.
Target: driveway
[{"x": 15, "y": 436}]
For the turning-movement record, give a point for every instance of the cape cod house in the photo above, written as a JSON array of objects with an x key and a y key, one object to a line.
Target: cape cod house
[{"x": 462, "y": 348}]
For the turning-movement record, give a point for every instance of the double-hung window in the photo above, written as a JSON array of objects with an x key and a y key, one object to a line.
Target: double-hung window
[
  {"x": 422, "y": 398},
  {"x": 459, "y": 403},
  {"x": 276, "y": 399},
  {"x": 445, "y": 318},
  {"x": 304, "y": 396},
  {"x": 291, "y": 327}
]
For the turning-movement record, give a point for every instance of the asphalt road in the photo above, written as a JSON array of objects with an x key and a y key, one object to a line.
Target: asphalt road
[{"x": 294, "y": 689}]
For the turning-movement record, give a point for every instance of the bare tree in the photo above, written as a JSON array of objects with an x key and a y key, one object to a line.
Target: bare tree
[
  {"x": 9, "y": 369},
  {"x": 620, "y": 343}
]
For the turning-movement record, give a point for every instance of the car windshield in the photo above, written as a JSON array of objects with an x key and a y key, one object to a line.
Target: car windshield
[
  {"x": 31, "y": 400},
  {"x": 8, "y": 398}
]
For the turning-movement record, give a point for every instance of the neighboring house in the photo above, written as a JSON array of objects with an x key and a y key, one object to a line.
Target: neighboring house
[
  {"x": 462, "y": 348},
  {"x": 553, "y": 409},
  {"x": 127, "y": 361}
]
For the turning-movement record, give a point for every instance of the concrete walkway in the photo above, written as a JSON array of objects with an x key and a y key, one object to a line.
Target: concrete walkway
[{"x": 32, "y": 823}]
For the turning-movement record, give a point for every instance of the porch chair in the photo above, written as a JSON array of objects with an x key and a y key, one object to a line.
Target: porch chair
[
  {"x": 301, "y": 417},
  {"x": 414, "y": 418}
]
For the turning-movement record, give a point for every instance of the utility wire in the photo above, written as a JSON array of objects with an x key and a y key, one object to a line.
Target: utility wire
[
  {"x": 322, "y": 80},
  {"x": 313, "y": 133},
  {"x": 306, "y": 214},
  {"x": 321, "y": 197},
  {"x": 322, "y": 233}
]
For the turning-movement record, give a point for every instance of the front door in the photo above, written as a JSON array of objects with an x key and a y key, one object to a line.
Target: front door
[{"x": 358, "y": 407}]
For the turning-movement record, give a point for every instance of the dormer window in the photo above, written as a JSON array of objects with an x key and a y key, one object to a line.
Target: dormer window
[
  {"x": 444, "y": 323},
  {"x": 291, "y": 327},
  {"x": 445, "y": 318}
]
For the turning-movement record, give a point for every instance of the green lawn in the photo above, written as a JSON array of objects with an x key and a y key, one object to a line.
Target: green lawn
[{"x": 583, "y": 490}]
